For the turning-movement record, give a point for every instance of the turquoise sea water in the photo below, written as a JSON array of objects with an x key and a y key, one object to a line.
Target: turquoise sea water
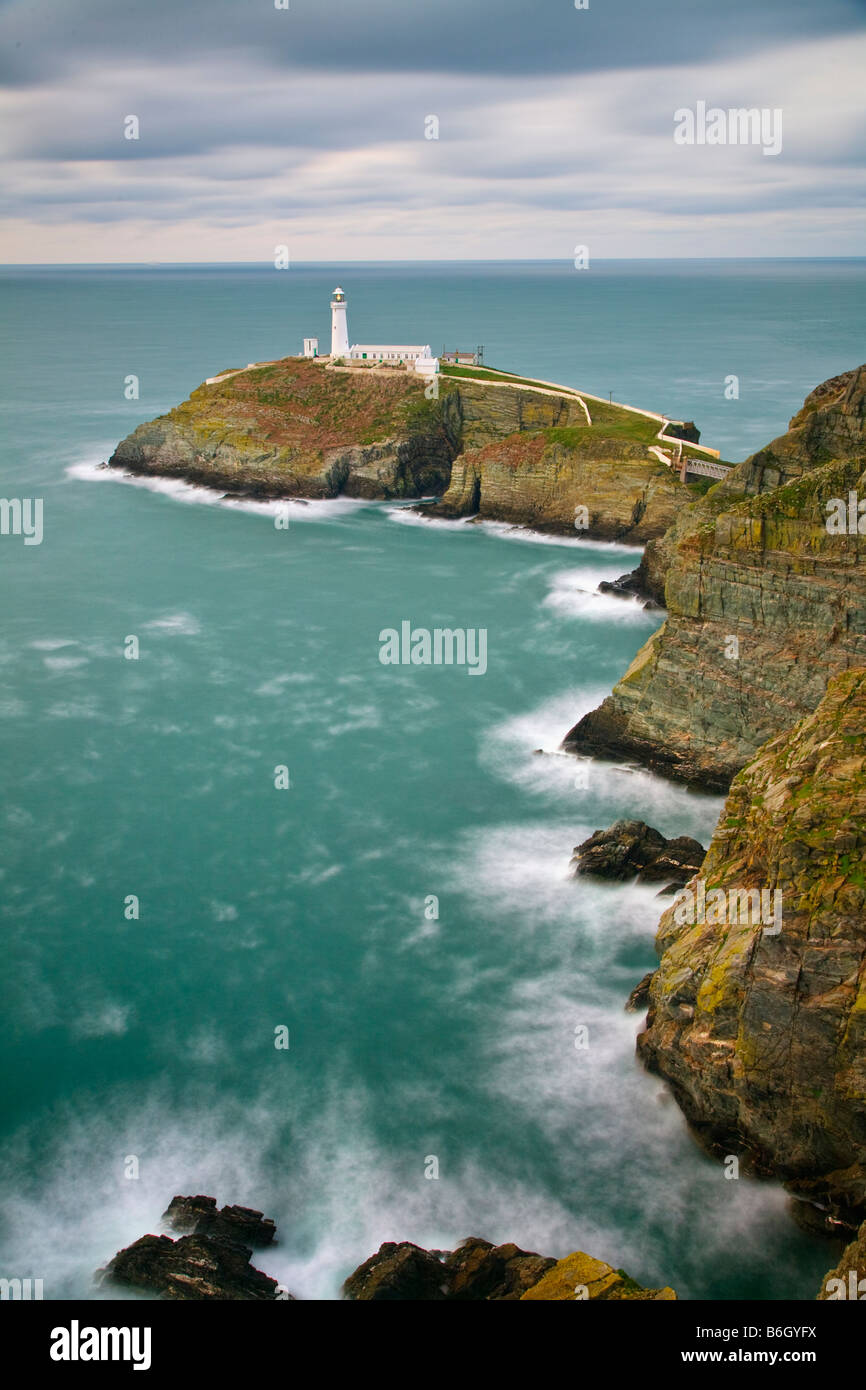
[{"x": 410, "y": 1037}]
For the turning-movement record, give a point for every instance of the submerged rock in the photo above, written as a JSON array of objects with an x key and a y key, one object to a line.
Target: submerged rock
[
  {"x": 480, "y": 1271},
  {"x": 631, "y": 848}
]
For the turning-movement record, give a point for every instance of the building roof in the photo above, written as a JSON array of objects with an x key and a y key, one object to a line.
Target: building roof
[{"x": 391, "y": 347}]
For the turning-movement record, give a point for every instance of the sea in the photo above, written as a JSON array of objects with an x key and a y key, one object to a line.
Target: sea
[{"x": 295, "y": 929}]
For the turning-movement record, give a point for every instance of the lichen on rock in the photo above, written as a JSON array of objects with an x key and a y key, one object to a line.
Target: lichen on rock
[{"x": 762, "y": 1034}]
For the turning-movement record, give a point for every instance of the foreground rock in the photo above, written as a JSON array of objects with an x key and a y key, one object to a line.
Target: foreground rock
[
  {"x": 632, "y": 849},
  {"x": 199, "y": 1215},
  {"x": 762, "y": 1032},
  {"x": 480, "y": 1271},
  {"x": 764, "y": 604},
  {"x": 213, "y": 1262}
]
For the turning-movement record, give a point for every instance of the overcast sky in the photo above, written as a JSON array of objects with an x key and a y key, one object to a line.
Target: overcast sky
[{"x": 306, "y": 126}]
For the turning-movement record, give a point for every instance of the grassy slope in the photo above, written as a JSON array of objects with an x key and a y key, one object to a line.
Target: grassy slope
[
  {"x": 294, "y": 403},
  {"x": 608, "y": 421}
]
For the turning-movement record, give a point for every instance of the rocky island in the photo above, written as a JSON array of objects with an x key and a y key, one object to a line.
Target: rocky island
[{"x": 486, "y": 443}]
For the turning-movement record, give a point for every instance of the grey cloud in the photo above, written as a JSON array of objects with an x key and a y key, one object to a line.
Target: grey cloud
[{"x": 42, "y": 41}]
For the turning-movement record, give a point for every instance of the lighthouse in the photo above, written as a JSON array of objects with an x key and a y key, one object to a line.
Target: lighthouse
[{"x": 339, "y": 330}]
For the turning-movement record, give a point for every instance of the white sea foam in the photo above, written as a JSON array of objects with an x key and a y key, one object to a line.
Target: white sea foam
[
  {"x": 174, "y": 625},
  {"x": 574, "y": 594},
  {"x": 582, "y": 786},
  {"x": 503, "y": 530},
  {"x": 91, "y": 471},
  {"x": 104, "y": 1020},
  {"x": 63, "y": 663},
  {"x": 569, "y": 944}
]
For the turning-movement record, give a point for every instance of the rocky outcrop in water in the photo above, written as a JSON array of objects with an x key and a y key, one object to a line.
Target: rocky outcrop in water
[
  {"x": 200, "y": 1216},
  {"x": 480, "y": 1271},
  {"x": 764, "y": 604},
  {"x": 632, "y": 849},
  {"x": 191, "y": 1268},
  {"x": 757, "y": 1020},
  {"x": 296, "y": 428},
  {"x": 212, "y": 1262}
]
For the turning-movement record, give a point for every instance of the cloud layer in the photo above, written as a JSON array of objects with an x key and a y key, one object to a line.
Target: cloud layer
[{"x": 259, "y": 126}]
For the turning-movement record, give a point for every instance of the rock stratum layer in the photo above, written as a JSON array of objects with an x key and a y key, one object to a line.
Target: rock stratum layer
[
  {"x": 296, "y": 428},
  {"x": 762, "y": 1034},
  {"x": 764, "y": 604}
]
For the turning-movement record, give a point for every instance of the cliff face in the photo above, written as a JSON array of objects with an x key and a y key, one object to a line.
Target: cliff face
[
  {"x": 532, "y": 458},
  {"x": 541, "y": 480},
  {"x": 296, "y": 429},
  {"x": 764, "y": 605},
  {"x": 762, "y": 1034}
]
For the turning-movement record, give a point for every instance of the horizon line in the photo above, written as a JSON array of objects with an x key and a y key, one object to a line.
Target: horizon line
[{"x": 417, "y": 260}]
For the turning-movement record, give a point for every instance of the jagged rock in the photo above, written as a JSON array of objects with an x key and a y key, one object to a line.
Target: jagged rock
[
  {"x": 762, "y": 1033},
  {"x": 629, "y": 585},
  {"x": 210, "y": 1261},
  {"x": 753, "y": 559},
  {"x": 631, "y": 848},
  {"x": 639, "y": 997},
  {"x": 194, "y": 1267},
  {"x": 200, "y": 1215},
  {"x": 480, "y": 1271},
  {"x": 398, "y": 1272},
  {"x": 581, "y": 1277}
]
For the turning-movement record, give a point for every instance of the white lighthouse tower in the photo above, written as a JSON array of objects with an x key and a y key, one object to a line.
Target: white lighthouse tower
[{"x": 339, "y": 330}]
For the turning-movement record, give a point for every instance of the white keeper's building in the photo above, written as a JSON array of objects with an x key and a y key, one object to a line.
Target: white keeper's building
[{"x": 412, "y": 356}]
